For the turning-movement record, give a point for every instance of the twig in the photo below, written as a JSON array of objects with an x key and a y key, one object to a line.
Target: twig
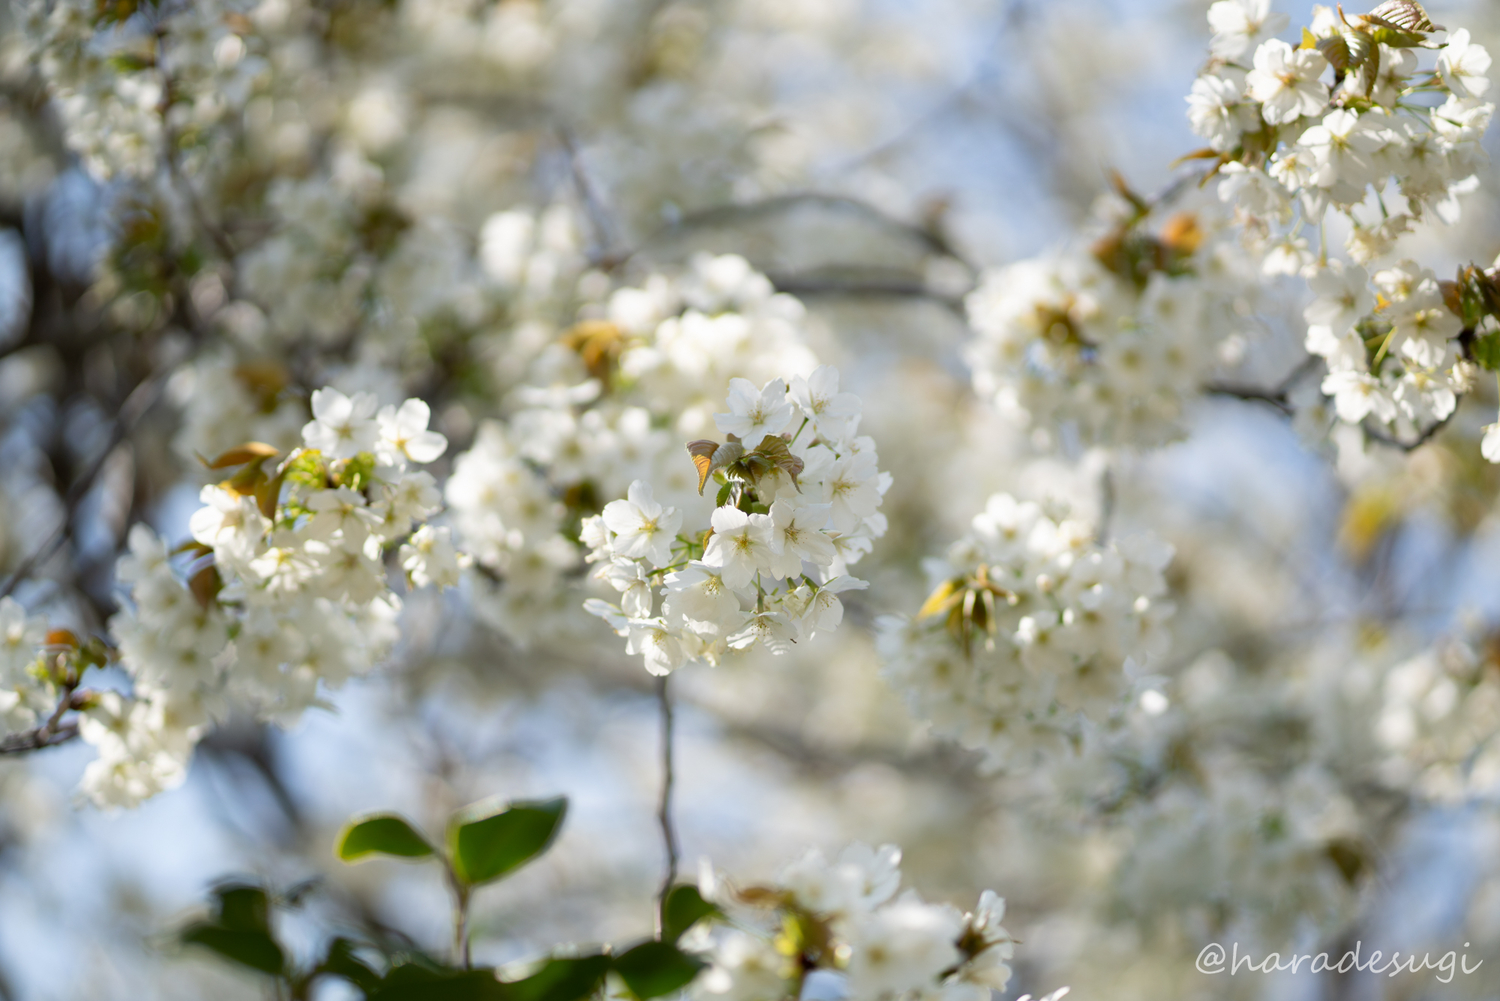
[
  {"x": 664, "y": 806},
  {"x": 1106, "y": 505},
  {"x": 606, "y": 237},
  {"x": 35, "y": 740},
  {"x": 725, "y": 214},
  {"x": 52, "y": 732},
  {"x": 1278, "y": 396},
  {"x": 132, "y": 410},
  {"x": 893, "y": 288},
  {"x": 1374, "y": 433}
]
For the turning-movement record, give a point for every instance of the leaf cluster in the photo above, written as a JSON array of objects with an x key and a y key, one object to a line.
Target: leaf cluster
[{"x": 484, "y": 843}]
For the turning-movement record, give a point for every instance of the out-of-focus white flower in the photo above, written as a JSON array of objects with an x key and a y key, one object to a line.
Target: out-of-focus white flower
[
  {"x": 1464, "y": 65},
  {"x": 1239, "y": 24}
]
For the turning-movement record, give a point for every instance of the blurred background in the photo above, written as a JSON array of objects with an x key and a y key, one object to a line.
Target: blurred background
[{"x": 871, "y": 157}]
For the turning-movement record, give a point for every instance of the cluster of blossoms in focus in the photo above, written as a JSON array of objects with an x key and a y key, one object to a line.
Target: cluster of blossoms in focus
[
  {"x": 1032, "y": 627},
  {"x": 606, "y": 403},
  {"x": 797, "y": 504},
  {"x": 1356, "y": 128},
  {"x": 842, "y": 921},
  {"x": 286, "y": 589}
]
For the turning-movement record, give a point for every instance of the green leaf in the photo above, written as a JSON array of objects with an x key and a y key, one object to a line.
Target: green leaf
[
  {"x": 489, "y": 847},
  {"x": 418, "y": 983},
  {"x": 383, "y": 834},
  {"x": 1487, "y": 351},
  {"x": 255, "y": 949},
  {"x": 561, "y": 980},
  {"x": 683, "y": 908},
  {"x": 652, "y": 969},
  {"x": 342, "y": 962},
  {"x": 243, "y": 908}
]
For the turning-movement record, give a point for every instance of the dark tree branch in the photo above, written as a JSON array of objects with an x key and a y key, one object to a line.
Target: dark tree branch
[
  {"x": 1278, "y": 396},
  {"x": 896, "y": 288},
  {"x": 664, "y": 805},
  {"x": 606, "y": 234},
  {"x": 1426, "y": 435},
  {"x": 140, "y": 400}
]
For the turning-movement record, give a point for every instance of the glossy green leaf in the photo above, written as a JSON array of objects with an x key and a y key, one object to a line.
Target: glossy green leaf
[
  {"x": 489, "y": 847},
  {"x": 683, "y": 908},
  {"x": 561, "y": 980},
  {"x": 243, "y": 908},
  {"x": 419, "y": 983},
  {"x": 248, "y": 947},
  {"x": 385, "y": 834},
  {"x": 652, "y": 969}
]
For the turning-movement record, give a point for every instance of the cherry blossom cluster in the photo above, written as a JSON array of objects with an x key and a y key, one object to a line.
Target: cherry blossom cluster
[
  {"x": 1109, "y": 343},
  {"x": 604, "y": 404},
  {"x": 1233, "y": 797},
  {"x": 1437, "y": 712},
  {"x": 287, "y": 590},
  {"x": 798, "y": 494},
  {"x": 1400, "y": 364},
  {"x": 1358, "y": 121},
  {"x": 130, "y": 89},
  {"x": 1032, "y": 626},
  {"x": 1329, "y": 123},
  {"x": 843, "y": 919}
]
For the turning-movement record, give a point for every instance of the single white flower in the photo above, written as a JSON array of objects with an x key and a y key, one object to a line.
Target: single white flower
[
  {"x": 796, "y": 535},
  {"x": 630, "y": 579},
  {"x": 772, "y": 628},
  {"x": 740, "y": 546},
  {"x": 342, "y": 427},
  {"x": 1238, "y": 24},
  {"x": 228, "y": 522},
  {"x": 755, "y": 413},
  {"x": 1464, "y": 65},
  {"x": 429, "y": 558},
  {"x": 642, "y": 526},
  {"x": 1218, "y": 110},
  {"x": 902, "y": 947},
  {"x": 697, "y": 593},
  {"x": 824, "y": 611},
  {"x": 658, "y": 647},
  {"x": 404, "y": 435},
  {"x": 341, "y": 511},
  {"x": 832, "y": 413},
  {"x": 1285, "y": 82}
]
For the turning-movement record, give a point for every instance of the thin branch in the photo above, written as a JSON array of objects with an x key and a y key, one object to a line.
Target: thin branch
[
  {"x": 1106, "y": 504},
  {"x": 606, "y": 235},
  {"x": 740, "y": 211},
  {"x": 1374, "y": 433},
  {"x": 891, "y": 288},
  {"x": 140, "y": 400},
  {"x": 1278, "y": 396},
  {"x": 38, "y": 739},
  {"x": 664, "y": 805},
  {"x": 52, "y": 732}
]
